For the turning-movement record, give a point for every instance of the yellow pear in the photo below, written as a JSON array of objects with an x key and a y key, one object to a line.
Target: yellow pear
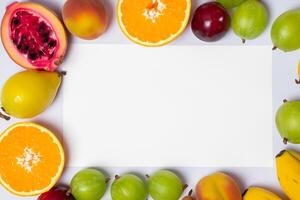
[{"x": 28, "y": 93}]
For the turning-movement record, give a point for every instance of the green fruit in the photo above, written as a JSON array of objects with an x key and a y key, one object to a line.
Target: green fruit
[
  {"x": 165, "y": 185},
  {"x": 28, "y": 93},
  {"x": 285, "y": 31},
  {"x": 288, "y": 121},
  {"x": 230, "y": 3},
  {"x": 128, "y": 187},
  {"x": 88, "y": 184},
  {"x": 250, "y": 19}
]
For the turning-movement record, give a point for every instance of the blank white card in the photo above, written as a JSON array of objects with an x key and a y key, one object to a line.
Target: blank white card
[{"x": 191, "y": 106}]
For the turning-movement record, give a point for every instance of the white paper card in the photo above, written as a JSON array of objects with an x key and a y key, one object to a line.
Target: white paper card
[{"x": 193, "y": 106}]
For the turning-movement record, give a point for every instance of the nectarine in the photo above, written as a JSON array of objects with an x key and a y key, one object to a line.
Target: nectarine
[
  {"x": 86, "y": 19},
  {"x": 218, "y": 186}
]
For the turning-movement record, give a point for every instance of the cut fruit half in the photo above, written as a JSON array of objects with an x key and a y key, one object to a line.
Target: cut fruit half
[
  {"x": 153, "y": 22},
  {"x": 33, "y": 36},
  {"x": 31, "y": 159}
]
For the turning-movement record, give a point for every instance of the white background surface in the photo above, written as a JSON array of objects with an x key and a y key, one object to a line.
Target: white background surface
[
  {"x": 147, "y": 108},
  {"x": 284, "y": 73}
]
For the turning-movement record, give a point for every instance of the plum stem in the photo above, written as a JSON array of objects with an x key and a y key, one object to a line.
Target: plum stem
[
  {"x": 274, "y": 48},
  {"x": 69, "y": 192},
  {"x": 297, "y": 81},
  {"x": 185, "y": 186},
  {"x": 7, "y": 118},
  {"x": 285, "y": 141},
  {"x": 190, "y": 192},
  {"x": 285, "y": 100}
]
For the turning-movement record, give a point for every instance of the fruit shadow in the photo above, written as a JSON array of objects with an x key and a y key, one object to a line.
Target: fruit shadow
[
  {"x": 237, "y": 178},
  {"x": 198, "y": 3},
  {"x": 244, "y": 187},
  {"x": 144, "y": 177},
  {"x": 278, "y": 192},
  {"x": 265, "y": 3},
  {"x": 51, "y": 5},
  {"x": 58, "y": 134},
  {"x": 110, "y": 8},
  {"x": 68, "y": 52},
  {"x": 186, "y": 188},
  {"x": 105, "y": 173}
]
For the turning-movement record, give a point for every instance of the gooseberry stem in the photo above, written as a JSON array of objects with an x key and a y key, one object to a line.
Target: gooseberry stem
[
  {"x": 244, "y": 41},
  {"x": 274, "y": 48},
  {"x": 285, "y": 141},
  {"x": 117, "y": 177},
  {"x": 285, "y": 100},
  {"x": 107, "y": 179},
  {"x": 185, "y": 186}
]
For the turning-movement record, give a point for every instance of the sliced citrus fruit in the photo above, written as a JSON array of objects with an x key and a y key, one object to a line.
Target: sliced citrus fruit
[
  {"x": 153, "y": 22},
  {"x": 31, "y": 159}
]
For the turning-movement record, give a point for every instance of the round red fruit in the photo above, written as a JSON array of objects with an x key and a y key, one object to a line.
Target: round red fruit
[
  {"x": 57, "y": 193},
  {"x": 210, "y": 22}
]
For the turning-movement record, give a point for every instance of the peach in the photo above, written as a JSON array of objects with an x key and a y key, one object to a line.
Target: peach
[
  {"x": 86, "y": 19},
  {"x": 218, "y": 186}
]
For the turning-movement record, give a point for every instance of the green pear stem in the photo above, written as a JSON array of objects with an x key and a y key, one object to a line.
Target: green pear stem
[
  {"x": 107, "y": 179},
  {"x": 62, "y": 73},
  {"x": 7, "y": 118}
]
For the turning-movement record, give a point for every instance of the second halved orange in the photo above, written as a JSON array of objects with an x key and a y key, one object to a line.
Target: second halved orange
[{"x": 31, "y": 159}]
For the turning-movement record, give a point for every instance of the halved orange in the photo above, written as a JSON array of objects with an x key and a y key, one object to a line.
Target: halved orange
[
  {"x": 31, "y": 159},
  {"x": 153, "y": 22}
]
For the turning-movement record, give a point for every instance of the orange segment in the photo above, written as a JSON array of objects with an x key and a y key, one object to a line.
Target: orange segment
[
  {"x": 31, "y": 159},
  {"x": 153, "y": 22}
]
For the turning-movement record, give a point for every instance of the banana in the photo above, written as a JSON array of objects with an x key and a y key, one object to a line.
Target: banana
[
  {"x": 256, "y": 193},
  {"x": 288, "y": 172}
]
